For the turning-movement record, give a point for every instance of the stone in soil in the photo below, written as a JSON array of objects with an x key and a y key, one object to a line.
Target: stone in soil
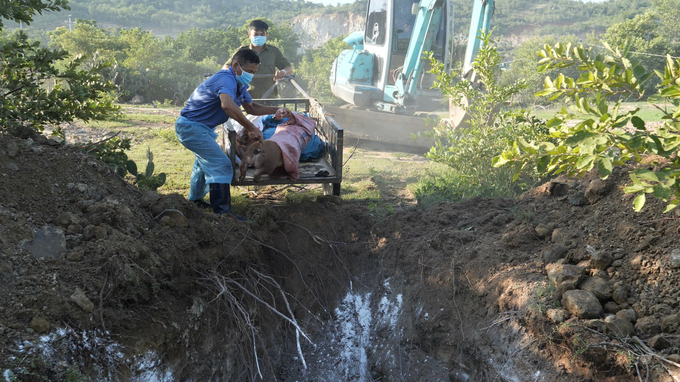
[
  {"x": 597, "y": 189},
  {"x": 82, "y": 301},
  {"x": 674, "y": 358},
  {"x": 582, "y": 304},
  {"x": 5, "y": 268},
  {"x": 620, "y": 295},
  {"x": 627, "y": 314},
  {"x": 40, "y": 325},
  {"x": 562, "y": 288},
  {"x": 648, "y": 325},
  {"x": 670, "y": 323},
  {"x": 598, "y": 286},
  {"x": 12, "y": 166},
  {"x": 66, "y": 219},
  {"x": 559, "y": 273},
  {"x": 577, "y": 199},
  {"x": 599, "y": 259},
  {"x": 611, "y": 307},
  {"x": 149, "y": 198},
  {"x": 49, "y": 242},
  {"x": 554, "y": 253},
  {"x": 675, "y": 258},
  {"x": 619, "y": 327},
  {"x": 659, "y": 342},
  {"x": 557, "y": 316},
  {"x": 559, "y": 237},
  {"x": 543, "y": 230}
]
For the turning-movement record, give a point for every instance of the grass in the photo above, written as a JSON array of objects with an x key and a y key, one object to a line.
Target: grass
[
  {"x": 381, "y": 179},
  {"x": 647, "y": 112}
]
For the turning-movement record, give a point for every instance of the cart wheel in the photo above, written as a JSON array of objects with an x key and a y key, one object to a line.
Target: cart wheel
[{"x": 331, "y": 189}]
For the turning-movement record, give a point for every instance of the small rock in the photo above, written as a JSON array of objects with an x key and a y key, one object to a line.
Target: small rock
[
  {"x": 559, "y": 273},
  {"x": 670, "y": 324},
  {"x": 49, "y": 242},
  {"x": 558, "y": 236},
  {"x": 675, "y": 258},
  {"x": 562, "y": 288},
  {"x": 5, "y": 268},
  {"x": 599, "y": 287},
  {"x": 554, "y": 253},
  {"x": 94, "y": 232},
  {"x": 82, "y": 301},
  {"x": 620, "y": 328},
  {"x": 617, "y": 263},
  {"x": 40, "y": 325},
  {"x": 577, "y": 199},
  {"x": 662, "y": 310},
  {"x": 659, "y": 342},
  {"x": 329, "y": 199},
  {"x": 627, "y": 314},
  {"x": 648, "y": 325},
  {"x": 620, "y": 295},
  {"x": 582, "y": 304},
  {"x": 557, "y": 316},
  {"x": 597, "y": 189},
  {"x": 74, "y": 229},
  {"x": 611, "y": 307},
  {"x": 599, "y": 259},
  {"x": 12, "y": 166},
  {"x": 173, "y": 219},
  {"x": 12, "y": 149},
  {"x": 543, "y": 230},
  {"x": 52, "y": 142},
  {"x": 149, "y": 198},
  {"x": 674, "y": 358},
  {"x": 30, "y": 330},
  {"x": 619, "y": 254},
  {"x": 66, "y": 219},
  {"x": 75, "y": 255}
]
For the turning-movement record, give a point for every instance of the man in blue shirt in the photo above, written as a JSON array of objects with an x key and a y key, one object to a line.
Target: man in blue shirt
[{"x": 212, "y": 103}]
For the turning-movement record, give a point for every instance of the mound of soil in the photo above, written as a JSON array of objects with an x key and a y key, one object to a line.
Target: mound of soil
[{"x": 102, "y": 280}]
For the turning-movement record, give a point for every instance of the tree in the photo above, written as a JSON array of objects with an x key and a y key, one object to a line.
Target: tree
[
  {"x": 601, "y": 135},
  {"x": 525, "y": 67},
  {"x": 26, "y": 103},
  {"x": 468, "y": 150},
  {"x": 315, "y": 69}
]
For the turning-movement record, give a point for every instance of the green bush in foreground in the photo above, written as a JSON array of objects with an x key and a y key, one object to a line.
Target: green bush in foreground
[
  {"x": 468, "y": 151},
  {"x": 602, "y": 136}
]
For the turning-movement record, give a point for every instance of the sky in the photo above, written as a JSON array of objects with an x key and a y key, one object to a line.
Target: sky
[{"x": 336, "y": 2}]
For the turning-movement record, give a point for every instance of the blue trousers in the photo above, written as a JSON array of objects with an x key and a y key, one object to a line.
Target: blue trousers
[{"x": 212, "y": 165}]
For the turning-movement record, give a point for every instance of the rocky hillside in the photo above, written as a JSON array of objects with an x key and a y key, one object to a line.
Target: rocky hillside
[{"x": 315, "y": 30}]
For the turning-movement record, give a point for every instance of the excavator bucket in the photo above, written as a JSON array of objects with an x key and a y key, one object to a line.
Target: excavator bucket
[{"x": 382, "y": 127}]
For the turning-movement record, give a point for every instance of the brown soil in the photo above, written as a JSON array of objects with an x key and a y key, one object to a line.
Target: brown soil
[{"x": 163, "y": 276}]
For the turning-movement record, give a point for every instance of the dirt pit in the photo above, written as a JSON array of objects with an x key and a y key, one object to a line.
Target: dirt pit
[{"x": 101, "y": 281}]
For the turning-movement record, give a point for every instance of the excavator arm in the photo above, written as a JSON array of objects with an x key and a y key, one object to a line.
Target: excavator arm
[{"x": 428, "y": 14}]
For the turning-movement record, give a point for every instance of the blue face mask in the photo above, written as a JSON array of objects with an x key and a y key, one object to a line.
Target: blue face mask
[
  {"x": 245, "y": 77},
  {"x": 259, "y": 40}
]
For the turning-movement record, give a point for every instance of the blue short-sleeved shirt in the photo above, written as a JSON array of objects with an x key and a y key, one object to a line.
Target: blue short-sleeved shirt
[{"x": 204, "y": 105}]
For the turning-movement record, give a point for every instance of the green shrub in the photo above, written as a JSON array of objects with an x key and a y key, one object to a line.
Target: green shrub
[
  {"x": 468, "y": 151},
  {"x": 603, "y": 136}
]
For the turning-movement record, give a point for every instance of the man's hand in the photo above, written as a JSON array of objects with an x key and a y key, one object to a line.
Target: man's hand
[
  {"x": 282, "y": 113},
  {"x": 280, "y": 74}
]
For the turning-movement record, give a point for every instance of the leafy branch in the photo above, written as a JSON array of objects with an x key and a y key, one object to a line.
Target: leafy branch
[{"x": 598, "y": 134}]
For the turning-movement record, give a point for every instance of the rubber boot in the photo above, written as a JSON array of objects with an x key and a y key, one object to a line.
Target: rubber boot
[{"x": 220, "y": 199}]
